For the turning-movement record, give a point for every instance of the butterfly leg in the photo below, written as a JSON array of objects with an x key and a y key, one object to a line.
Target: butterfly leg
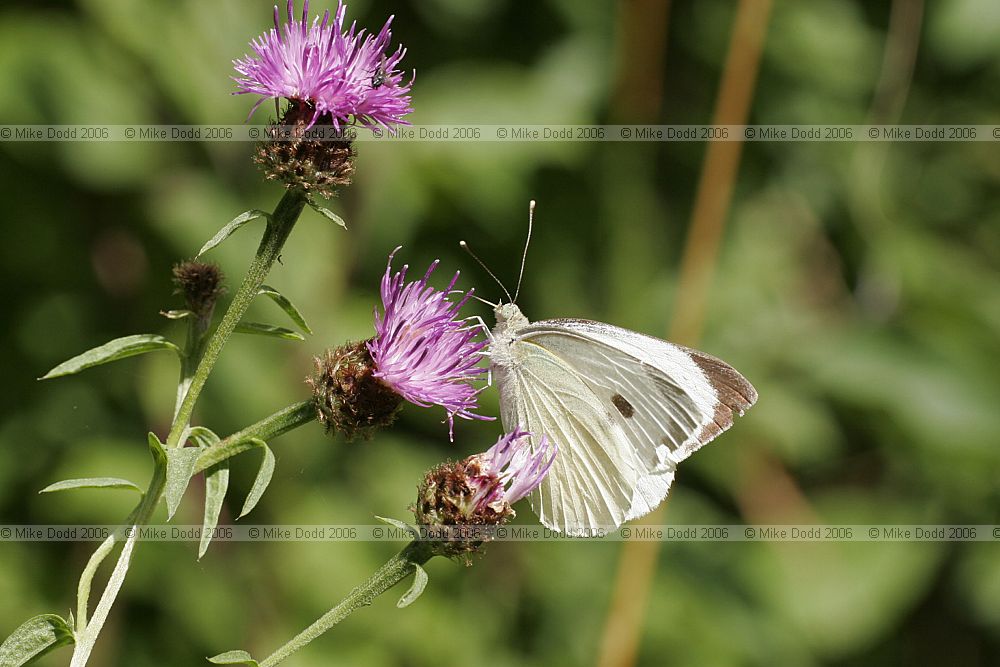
[{"x": 480, "y": 324}]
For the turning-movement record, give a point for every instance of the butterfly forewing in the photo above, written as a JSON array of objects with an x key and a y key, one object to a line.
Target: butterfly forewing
[{"x": 592, "y": 479}]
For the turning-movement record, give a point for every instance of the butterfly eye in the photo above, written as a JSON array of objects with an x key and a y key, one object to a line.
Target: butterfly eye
[{"x": 623, "y": 406}]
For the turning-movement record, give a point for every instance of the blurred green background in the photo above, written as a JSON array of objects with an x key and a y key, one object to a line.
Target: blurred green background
[{"x": 856, "y": 287}]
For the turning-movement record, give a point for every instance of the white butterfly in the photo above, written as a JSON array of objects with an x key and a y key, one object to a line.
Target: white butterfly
[{"x": 623, "y": 408}]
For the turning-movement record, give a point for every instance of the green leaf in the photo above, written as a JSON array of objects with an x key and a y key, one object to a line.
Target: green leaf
[
  {"x": 267, "y": 330},
  {"x": 86, "y": 639},
  {"x": 216, "y": 485},
  {"x": 419, "y": 583},
  {"x": 176, "y": 314},
  {"x": 233, "y": 658},
  {"x": 401, "y": 525},
  {"x": 180, "y": 467},
  {"x": 36, "y": 637},
  {"x": 91, "y": 483},
  {"x": 327, "y": 213},
  {"x": 119, "y": 348},
  {"x": 262, "y": 480},
  {"x": 156, "y": 447},
  {"x": 286, "y": 306},
  {"x": 203, "y": 437},
  {"x": 234, "y": 224}
]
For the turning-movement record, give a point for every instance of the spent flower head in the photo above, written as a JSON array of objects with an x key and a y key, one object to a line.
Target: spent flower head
[
  {"x": 337, "y": 75},
  {"x": 479, "y": 490},
  {"x": 422, "y": 352}
]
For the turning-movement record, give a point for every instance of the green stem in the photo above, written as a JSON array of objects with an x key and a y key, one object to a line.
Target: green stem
[
  {"x": 279, "y": 226},
  {"x": 395, "y": 570},
  {"x": 87, "y": 636},
  {"x": 280, "y": 422}
]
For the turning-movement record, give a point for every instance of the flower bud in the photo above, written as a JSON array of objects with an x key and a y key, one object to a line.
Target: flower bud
[{"x": 201, "y": 285}]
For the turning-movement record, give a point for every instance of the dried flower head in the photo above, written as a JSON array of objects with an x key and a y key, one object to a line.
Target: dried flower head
[
  {"x": 337, "y": 76},
  {"x": 479, "y": 490},
  {"x": 422, "y": 349}
]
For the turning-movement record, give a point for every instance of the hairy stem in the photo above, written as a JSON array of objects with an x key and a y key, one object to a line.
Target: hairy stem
[
  {"x": 279, "y": 226},
  {"x": 395, "y": 570},
  {"x": 280, "y": 422}
]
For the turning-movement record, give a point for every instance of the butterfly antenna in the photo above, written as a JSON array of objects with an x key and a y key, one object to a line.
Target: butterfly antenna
[
  {"x": 465, "y": 246},
  {"x": 476, "y": 297},
  {"x": 527, "y": 242}
]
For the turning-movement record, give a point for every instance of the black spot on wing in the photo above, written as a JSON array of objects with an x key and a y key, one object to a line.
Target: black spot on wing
[{"x": 623, "y": 406}]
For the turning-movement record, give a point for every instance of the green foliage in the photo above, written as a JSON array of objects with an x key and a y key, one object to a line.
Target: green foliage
[
  {"x": 269, "y": 330},
  {"x": 263, "y": 478},
  {"x": 232, "y": 226},
  {"x": 287, "y": 306},
  {"x": 119, "y": 348},
  {"x": 327, "y": 213},
  {"x": 36, "y": 637},
  {"x": 856, "y": 287},
  {"x": 416, "y": 589},
  {"x": 91, "y": 483},
  {"x": 233, "y": 658}
]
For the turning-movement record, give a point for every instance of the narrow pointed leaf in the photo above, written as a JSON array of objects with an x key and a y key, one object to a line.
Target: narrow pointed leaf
[
  {"x": 286, "y": 306},
  {"x": 119, "y": 348},
  {"x": 203, "y": 437},
  {"x": 262, "y": 480},
  {"x": 180, "y": 467},
  {"x": 419, "y": 583},
  {"x": 234, "y": 224},
  {"x": 216, "y": 485},
  {"x": 233, "y": 658},
  {"x": 156, "y": 448},
  {"x": 327, "y": 213},
  {"x": 91, "y": 483},
  {"x": 267, "y": 330},
  {"x": 396, "y": 523},
  {"x": 36, "y": 637}
]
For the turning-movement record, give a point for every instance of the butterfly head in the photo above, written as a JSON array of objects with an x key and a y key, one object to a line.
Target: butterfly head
[{"x": 509, "y": 315}]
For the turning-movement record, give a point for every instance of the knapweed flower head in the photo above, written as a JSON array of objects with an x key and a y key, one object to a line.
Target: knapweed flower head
[
  {"x": 422, "y": 349},
  {"x": 479, "y": 490},
  {"x": 335, "y": 75},
  {"x": 421, "y": 352}
]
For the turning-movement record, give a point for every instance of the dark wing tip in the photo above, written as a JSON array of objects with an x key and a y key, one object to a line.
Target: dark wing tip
[{"x": 735, "y": 393}]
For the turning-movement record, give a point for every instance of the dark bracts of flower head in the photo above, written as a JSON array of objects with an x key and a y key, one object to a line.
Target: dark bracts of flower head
[
  {"x": 312, "y": 158},
  {"x": 422, "y": 349},
  {"x": 479, "y": 490},
  {"x": 336, "y": 75},
  {"x": 201, "y": 285},
  {"x": 349, "y": 398}
]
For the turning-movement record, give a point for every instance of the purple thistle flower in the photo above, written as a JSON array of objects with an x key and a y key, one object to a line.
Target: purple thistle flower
[
  {"x": 457, "y": 497},
  {"x": 335, "y": 73},
  {"x": 421, "y": 350},
  {"x": 509, "y": 470}
]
